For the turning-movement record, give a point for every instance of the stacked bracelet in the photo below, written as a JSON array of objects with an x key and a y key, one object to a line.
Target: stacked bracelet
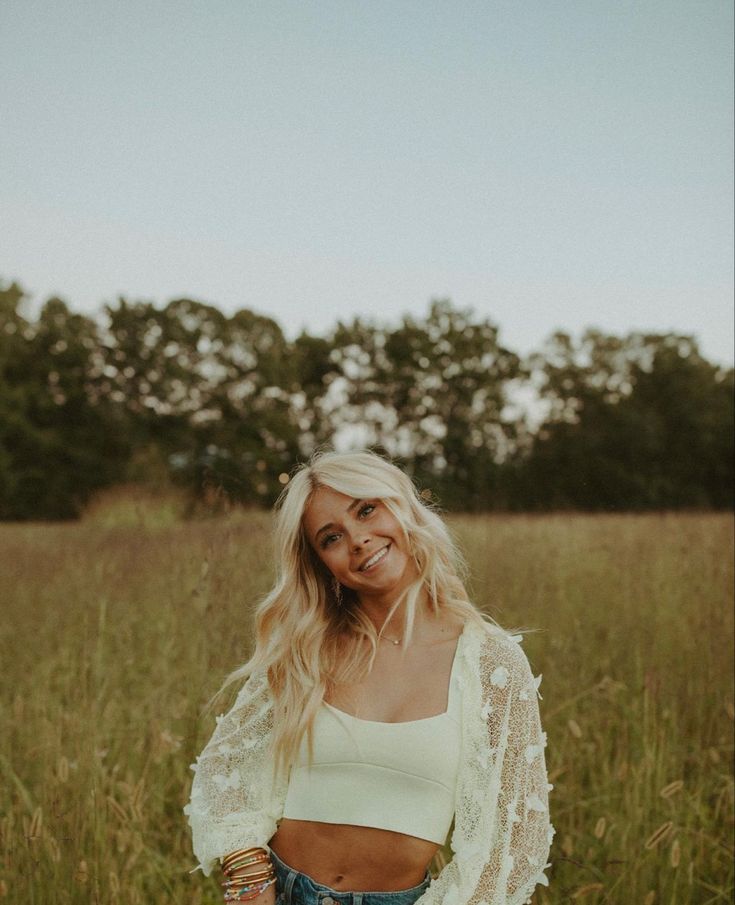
[
  {"x": 247, "y": 892},
  {"x": 243, "y": 884}
]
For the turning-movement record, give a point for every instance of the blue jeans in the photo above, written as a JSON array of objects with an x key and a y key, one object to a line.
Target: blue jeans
[{"x": 295, "y": 888}]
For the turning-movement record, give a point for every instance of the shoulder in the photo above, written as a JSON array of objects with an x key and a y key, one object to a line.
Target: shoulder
[
  {"x": 255, "y": 686},
  {"x": 500, "y": 657},
  {"x": 491, "y": 636}
]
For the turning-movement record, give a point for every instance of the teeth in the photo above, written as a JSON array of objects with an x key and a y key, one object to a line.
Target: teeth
[{"x": 373, "y": 559}]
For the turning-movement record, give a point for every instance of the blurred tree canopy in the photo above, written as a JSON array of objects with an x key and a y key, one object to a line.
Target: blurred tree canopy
[{"x": 190, "y": 396}]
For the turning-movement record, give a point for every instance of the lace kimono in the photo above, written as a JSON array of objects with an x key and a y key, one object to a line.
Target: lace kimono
[{"x": 502, "y": 831}]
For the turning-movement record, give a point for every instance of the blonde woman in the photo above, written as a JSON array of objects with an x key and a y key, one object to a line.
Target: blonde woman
[{"x": 380, "y": 707}]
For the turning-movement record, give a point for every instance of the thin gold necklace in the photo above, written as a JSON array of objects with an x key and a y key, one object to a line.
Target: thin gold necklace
[{"x": 392, "y": 640}]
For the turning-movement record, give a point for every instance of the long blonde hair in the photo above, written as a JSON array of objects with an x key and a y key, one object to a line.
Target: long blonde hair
[{"x": 305, "y": 639}]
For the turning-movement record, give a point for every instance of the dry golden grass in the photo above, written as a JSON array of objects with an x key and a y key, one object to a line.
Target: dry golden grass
[{"x": 116, "y": 630}]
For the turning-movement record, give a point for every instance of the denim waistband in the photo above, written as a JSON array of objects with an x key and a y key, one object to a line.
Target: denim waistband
[{"x": 296, "y": 888}]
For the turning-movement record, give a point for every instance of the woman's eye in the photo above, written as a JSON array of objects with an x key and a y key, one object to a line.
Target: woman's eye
[
  {"x": 328, "y": 540},
  {"x": 367, "y": 508}
]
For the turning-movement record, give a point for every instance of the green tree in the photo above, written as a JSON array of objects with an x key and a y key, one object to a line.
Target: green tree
[
  {"x": 637, "y": 422},
  {"x": 58, "y": 445},
  {"x": 451, "y": 385},
  {"x": 210, "y": 392},
  {"x": 432, "y": 393}
]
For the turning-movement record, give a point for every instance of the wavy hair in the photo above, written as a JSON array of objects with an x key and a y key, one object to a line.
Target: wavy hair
[{"x": 308, "y": 642}]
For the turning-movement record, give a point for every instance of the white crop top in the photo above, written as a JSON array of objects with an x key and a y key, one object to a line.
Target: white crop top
[{"x": 394, "y": 776}]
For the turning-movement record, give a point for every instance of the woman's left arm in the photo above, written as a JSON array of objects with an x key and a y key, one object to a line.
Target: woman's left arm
[
  {"x": 524, "y": 785},
  {"x": 503, "y": 833}
]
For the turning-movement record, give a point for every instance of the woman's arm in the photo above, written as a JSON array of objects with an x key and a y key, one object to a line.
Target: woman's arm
[
  {"x": 231, "y": 804},
  {"x": 502, "y": 832},
  {"x": 521, "y": 836}
]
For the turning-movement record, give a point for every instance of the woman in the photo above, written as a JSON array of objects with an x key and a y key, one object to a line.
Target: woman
[{"x": 379, "y": 705}]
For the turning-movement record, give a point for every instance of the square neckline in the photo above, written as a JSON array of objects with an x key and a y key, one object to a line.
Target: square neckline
[{"x": 422, "y": 719}]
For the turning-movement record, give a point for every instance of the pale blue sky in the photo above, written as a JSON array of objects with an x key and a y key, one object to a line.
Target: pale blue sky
[{"x": 551, "y": 164}]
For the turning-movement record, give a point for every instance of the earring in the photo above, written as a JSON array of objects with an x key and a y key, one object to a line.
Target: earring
[{"x": 337, "y": 588}]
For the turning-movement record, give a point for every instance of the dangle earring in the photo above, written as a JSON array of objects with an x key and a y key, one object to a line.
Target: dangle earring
[{"x": 337, "y": 588}]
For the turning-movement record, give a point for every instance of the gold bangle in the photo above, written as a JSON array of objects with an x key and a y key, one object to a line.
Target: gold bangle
[
  {"x": 240, "y": 877},
  {"x": 243, "y": 874},
  {"x": 242, "y": 862},
  {"x": 242, "y": 852},
  {"x": 260, "y": 869},
  {"x": 248, "y": 881},
  {"x": 234, "y": 863},
  {"x": 242, "y": 871}
]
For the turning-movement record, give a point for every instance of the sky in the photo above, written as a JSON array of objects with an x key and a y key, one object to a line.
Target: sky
[{"x": 550, "y": 165}]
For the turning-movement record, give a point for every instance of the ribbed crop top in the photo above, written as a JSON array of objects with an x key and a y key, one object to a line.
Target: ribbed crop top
[{"x": 394, "y": 776}]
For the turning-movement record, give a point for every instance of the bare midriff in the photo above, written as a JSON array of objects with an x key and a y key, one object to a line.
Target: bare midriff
[{"x": 353, "y": 858}]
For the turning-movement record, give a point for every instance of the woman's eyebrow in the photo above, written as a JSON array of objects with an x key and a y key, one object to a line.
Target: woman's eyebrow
[{"x": 331, "y": 524}]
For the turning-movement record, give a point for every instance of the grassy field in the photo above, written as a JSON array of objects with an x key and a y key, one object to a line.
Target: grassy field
[{"x": 117, "y": 629}]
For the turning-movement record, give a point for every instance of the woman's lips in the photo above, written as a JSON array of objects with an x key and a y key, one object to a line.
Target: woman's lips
[{"x": 377, "y": 562}]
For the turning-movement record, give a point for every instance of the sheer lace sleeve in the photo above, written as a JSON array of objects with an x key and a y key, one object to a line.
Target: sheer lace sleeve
[
  {"x": 521, "y": 833},
  {"x": 231, "y": 804},
  {"x": 502, "y": 835}
]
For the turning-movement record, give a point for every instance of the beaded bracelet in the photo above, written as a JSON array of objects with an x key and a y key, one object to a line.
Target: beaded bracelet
[
  {"x": 239, "y": 886},
  {"x": 252, "y": 890}
]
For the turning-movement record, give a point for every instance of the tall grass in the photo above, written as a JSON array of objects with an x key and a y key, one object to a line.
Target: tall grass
[{"x": 117, "y": 629}]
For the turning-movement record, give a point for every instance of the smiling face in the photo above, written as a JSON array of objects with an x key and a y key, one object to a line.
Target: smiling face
[{"x": 360, "y": 542}]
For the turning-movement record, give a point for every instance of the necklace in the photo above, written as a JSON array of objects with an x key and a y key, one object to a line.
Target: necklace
[{"x": 392, "y": 640}]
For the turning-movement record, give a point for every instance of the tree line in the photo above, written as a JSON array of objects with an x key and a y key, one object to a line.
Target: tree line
[{"x": 187, "y": 395}]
